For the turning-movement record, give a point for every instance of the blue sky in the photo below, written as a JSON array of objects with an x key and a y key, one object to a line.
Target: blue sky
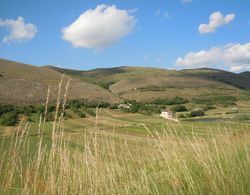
[{"x": 160, "y": 33}]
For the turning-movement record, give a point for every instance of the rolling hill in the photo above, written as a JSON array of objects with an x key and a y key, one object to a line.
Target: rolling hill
[
  {"x": 26, "y": 84},
  {"x": 147, "y": 84}
]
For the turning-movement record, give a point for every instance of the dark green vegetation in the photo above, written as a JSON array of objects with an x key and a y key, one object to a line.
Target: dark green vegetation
[
  {"x": 11, "y": 115},
  {"x": 9, "y": 119},
  {"x": 179, "y": 108},
  {"x": 224, "y": 100},
  {"x": 198, "y": 112},
  {"x": 172, "y": 101}
]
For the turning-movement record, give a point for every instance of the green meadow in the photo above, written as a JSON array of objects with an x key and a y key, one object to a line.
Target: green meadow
[{"x": 115, "y": 152}]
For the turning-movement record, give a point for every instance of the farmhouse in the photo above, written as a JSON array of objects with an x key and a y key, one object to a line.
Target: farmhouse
[{"x": 168, "y": 114}]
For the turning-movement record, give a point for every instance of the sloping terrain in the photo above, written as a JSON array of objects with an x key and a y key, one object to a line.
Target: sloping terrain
[
  {"x": 146, "y": 84},
  {"x": 241, "y": 80},
  {"x": 26, "y": 84},
  {"x": 191, "y": 77}
]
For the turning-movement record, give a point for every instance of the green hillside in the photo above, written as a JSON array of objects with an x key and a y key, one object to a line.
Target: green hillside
[{"x": 147, "y": 84}]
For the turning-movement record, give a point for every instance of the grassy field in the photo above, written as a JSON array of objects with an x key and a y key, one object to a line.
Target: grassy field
[
  {"x": 125, "y": 153},
  {"x": 112, "y": 151}
]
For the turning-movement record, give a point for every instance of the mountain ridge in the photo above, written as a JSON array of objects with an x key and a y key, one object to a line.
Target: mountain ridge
[{"x": 29, "y": 83}]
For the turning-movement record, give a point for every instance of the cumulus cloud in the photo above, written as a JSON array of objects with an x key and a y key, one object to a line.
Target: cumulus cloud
[
  {"x": 216, "y": 20},
  {"x": 99, "y": 28},
  {"x": 19, "y": 30},
  {"x": 235, "y": 56}
]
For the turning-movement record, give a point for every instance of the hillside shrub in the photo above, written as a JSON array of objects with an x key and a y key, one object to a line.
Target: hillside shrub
[
  {"x": 26, "y": 110},
  {"x": 92, "y": 104},
  {"x": 51, "y": 108},
  {"x": 89, "y": 111},
  {"x": 197, "y": 112},
  {"x": 224, "y": 100},
  {"x": 173, "y": 101},
  {"x": 143, "y": 108},
  {"x": 179, "y": 108},
  {"x": 67, "y": 115},
  {"x": 152, "y": 88},
  {"x": 75, "y": 104},
  {"x": 6, "y": 108},
  {"x": 106, "y": 84},
  {"x": 79, "y": 113},
  {"x": 9, "y": 119},
  {"x": 113, "y": 106}
]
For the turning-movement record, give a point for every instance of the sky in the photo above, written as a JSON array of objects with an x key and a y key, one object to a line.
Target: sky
[{"x": 88, "y": 34}]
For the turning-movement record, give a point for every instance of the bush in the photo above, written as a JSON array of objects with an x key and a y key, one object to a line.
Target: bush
[
  {"x": 67, "y": 115},
  {"x": 26, "y": 110},
  {"x": 92, "y": 104},
  {"x": 79, "y": 113},
  {"x": 173, "y": 101},
  {"x": 113, "y": 106},
  {"x": 75, "y": 104},
  {"x": 179, "y": 108},
  {"x": 224, "y": 100},
  {"x": 106, "y": 84},
  {"x": 90, "y": 112},
  {"x": 6, "y": 108},
  {"x": 152, "y": 88},
  {"x": 51, "y": 108},
  {"x": 143, "y": 108},
  {"x": 135, "y": 108},
  {"x": 9, "y": 119},
  {"x": 197, "y": 112}
]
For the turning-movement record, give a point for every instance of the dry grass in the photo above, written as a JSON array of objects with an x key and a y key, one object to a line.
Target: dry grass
[
  {"x": 25, "y": 84},
  {"x": 96, "y": 162}
]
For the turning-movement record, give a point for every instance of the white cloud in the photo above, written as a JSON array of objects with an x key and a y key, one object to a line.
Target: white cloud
[
  {"x": 19, "y": 31},
  {"x": 99, "y": 28},
  {"x": 234, "y": 56},
  {"x": 216, "y": 20},
  {"x": 186, "y": 1}
]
